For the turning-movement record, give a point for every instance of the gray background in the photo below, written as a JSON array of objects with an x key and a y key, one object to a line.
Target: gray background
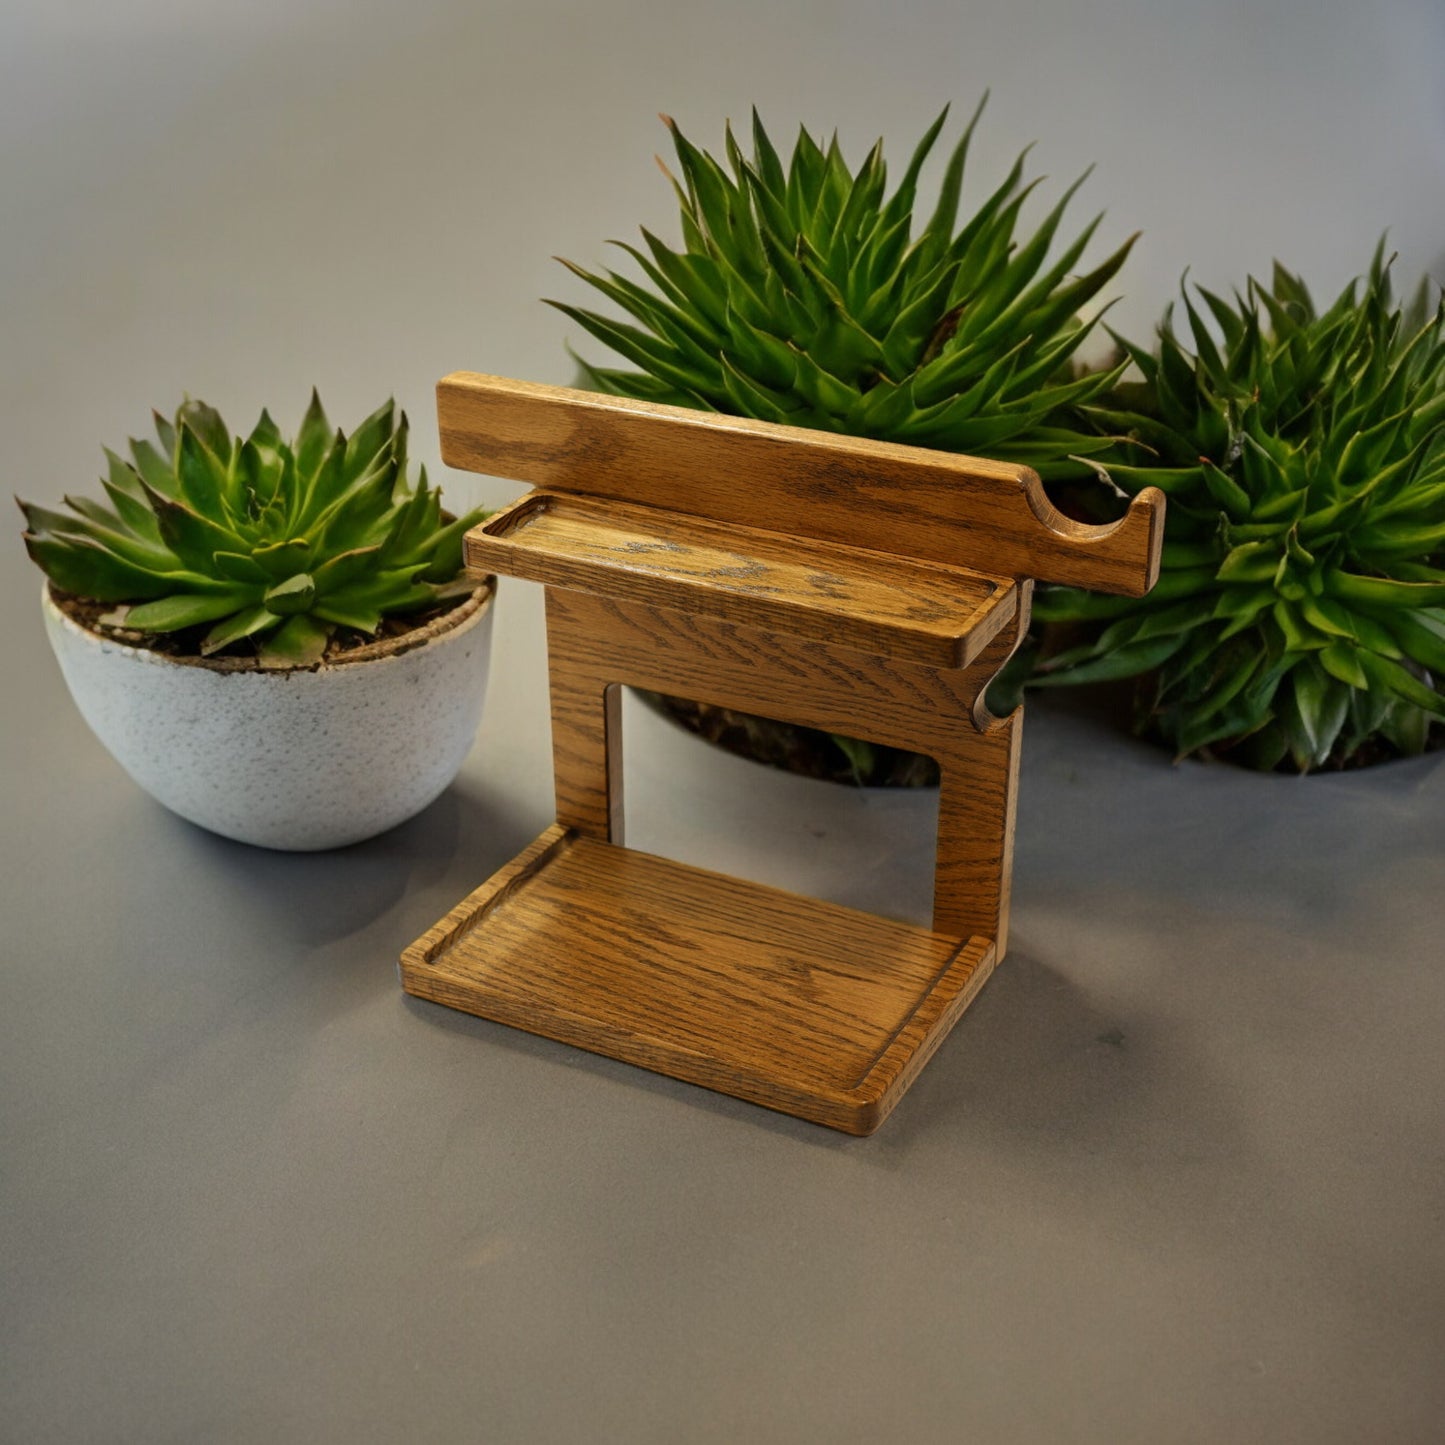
[{"x": 1177, "y": 1176}]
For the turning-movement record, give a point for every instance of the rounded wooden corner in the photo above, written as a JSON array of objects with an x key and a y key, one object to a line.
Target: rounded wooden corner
[
  {"x": 866, "y": 1117},
  {"x": 1149, "y": 507},
  {"x": 1120, "y": 557}
]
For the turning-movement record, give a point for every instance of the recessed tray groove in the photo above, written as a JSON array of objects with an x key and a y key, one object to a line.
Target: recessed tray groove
[
  {"x": 808, "y": 1007},
  {"x": 921, "y": 612}
]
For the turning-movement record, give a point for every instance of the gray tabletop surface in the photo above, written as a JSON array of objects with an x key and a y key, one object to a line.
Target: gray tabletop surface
[{"x": 1177, "y": 1176}]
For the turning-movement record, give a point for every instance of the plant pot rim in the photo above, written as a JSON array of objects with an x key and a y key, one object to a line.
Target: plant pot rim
[{"x": 467, "y": 611}]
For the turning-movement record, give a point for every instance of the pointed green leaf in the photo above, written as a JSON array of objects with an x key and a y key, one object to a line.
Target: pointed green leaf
[
  {"x": 314, "y": 439},
  {"x": 1124, "y": 662},
  {"x": 202, "y": 474},
  {"x": 205, "y": 421},
  {"x": 234, "y": 629},
  {"x": 170, "y": 614},
  {"x": 295, "y": 594},
  {"x": 299, "y": 642},
  {"x": 1403, "y": 683},
  {"x": 1344, "y": 662}
]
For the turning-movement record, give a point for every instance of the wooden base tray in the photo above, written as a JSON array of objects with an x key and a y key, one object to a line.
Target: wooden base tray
[{"x": 819, "y": 1011}]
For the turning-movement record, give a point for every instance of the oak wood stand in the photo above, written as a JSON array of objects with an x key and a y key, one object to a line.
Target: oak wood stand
[{"x": 855, "y": 586}]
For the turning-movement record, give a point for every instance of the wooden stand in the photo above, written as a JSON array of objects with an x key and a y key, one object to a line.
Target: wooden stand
[{"x": 859, "y": 587}]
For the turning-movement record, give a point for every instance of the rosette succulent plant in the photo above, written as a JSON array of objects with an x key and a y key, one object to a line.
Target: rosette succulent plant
[
  {"x": 265, "y": 543},
  {"x": 806, "y": 293},
  {"x": 1301, "y": 609}
]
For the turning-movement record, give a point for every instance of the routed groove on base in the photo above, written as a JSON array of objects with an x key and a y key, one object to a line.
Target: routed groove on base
[{"x": 820, "y": 1011}]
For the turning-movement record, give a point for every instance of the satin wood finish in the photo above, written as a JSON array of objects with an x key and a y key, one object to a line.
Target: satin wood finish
[
  {"x": 815, "y": 590},
  {"x": 840, "y": 604},
  {"x": 992, "y": 517},
  {"x": 592, "y": 643},
  {"x": 815, "y": 1010}
]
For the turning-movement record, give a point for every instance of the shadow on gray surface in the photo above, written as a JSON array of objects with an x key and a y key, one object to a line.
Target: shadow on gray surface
[
  {"x": 1082, "y": 1077},
  {"x": 1091, "y": 1078},
  {"x": 313, "y": 899},
  {"x": 598, "y": 1067}
]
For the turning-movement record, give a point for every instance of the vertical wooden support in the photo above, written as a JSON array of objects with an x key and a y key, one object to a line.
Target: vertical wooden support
[
  {"x": 977, "y": 801},
  {"x": 586, "y": 740},
  {"x": 973, "y": 872}
]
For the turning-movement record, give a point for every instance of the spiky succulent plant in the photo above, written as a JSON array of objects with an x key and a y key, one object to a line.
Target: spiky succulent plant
[
  {"x": 805, "y": 294},
  {"x": 265, "y": 542},
  {"x": 1301, "y": 608}
]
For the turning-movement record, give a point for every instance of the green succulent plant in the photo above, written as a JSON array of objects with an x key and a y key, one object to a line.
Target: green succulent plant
[
  {"x": 262, "y": 541},
  {"x": 1301, "y": 607},
  {"x": 807, "y": 294}
]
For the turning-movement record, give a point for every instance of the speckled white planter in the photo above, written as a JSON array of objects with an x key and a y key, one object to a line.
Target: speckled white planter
[{"x": 300, "y": 759}]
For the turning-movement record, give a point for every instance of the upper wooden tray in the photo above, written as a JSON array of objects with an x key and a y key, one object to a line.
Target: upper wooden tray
[{"x": 894, "y": 606}]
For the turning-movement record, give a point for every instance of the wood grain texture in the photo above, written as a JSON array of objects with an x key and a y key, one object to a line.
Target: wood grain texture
[
  {"x": 869, "y": 601},
  {"x": 862, "y": 588},
  {"x": 816, "y": 1010},
  {"x": 977, "y": 804},
  {"x": 443, "y": 935},
  {"x": 594, "y": 643},
  {"x": 990, "y": 517},
  {"x": 587, "y": 754}
]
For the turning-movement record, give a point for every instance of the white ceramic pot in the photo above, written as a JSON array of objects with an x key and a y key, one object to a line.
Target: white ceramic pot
[{"x": 305, "y": 758}]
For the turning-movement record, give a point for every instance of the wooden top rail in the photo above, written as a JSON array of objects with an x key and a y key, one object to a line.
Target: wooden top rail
[{"x": 909, "y": 501}]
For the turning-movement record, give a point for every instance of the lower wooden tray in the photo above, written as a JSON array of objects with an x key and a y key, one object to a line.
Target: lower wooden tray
[{"x": 819, "y": 1011}]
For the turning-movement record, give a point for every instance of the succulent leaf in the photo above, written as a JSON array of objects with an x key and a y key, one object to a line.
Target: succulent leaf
[
  {"x": 804, "y": 293},
  {"x": 299, "y": 642},
  {"x": 170, "y": 614},
  {"x": 263, "y": 542},
  {"x": 1303, "y": 454},
  {"x": 295, "y": 594},
  {"x": 205, "y": 422},
  {"x": 237, "y": 626}
]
